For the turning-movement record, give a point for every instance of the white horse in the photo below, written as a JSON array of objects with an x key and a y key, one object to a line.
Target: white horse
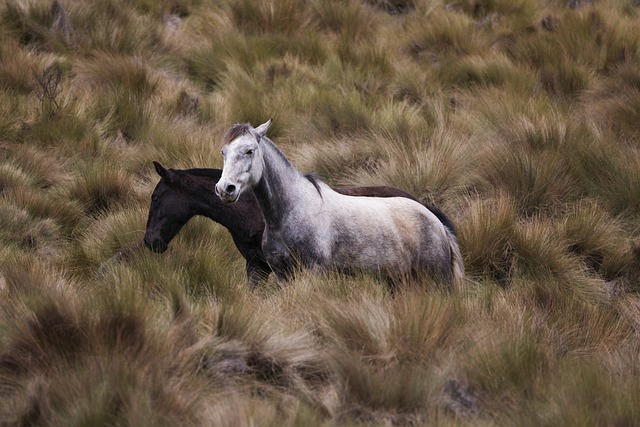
[{"x": 309, "y": 223}]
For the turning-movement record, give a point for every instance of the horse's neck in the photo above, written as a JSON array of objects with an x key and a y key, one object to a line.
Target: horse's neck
[
  {"x": 238, "y": 218},
  {"x": 281, "y": 187},
  {"x": 203, "y": 199}
]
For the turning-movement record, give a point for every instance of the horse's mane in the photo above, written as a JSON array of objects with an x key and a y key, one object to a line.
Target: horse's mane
[
  {"x": 195, "y": 181},
  {"x": 204, "y": 172},
  {"x": 236, "y": 131},
  {"x": 311, "y": 177},
  {"x": 315, "y": 180}
]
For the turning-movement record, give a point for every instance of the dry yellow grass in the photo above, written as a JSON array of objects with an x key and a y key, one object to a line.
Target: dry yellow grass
[{"x": 517, "y": 118}]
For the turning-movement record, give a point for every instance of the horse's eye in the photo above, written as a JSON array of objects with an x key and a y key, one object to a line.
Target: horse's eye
[{"x": 249, "y": 152}]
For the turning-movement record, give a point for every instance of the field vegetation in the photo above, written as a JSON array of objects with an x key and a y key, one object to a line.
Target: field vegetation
[{"x": 519, "y": 119}]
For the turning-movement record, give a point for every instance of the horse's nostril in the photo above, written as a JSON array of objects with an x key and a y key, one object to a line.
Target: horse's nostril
[{"x": 230, "y": 189}]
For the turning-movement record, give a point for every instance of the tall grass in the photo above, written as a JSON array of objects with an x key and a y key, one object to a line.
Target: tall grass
[{"x": 517, "y": 118}]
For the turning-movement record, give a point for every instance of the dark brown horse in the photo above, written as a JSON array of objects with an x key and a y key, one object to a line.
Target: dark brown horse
[{"x": 183, "y": 193}]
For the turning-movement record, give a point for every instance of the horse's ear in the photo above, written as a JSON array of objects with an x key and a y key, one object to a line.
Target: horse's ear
[
  {"x": 262, "y": 129},
  {"x": 164, "y": 174}
]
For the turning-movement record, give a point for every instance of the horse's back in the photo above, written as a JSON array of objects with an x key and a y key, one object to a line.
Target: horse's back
[
  {"x": 400, "y": 209},
  {"x": 395, "y": 231}
]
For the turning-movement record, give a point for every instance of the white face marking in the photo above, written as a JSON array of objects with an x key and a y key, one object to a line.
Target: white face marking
[{"x": 242, "y": 167}]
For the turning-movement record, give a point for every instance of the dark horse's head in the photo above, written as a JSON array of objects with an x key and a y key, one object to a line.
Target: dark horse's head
[{"x": 172, "y": 205}]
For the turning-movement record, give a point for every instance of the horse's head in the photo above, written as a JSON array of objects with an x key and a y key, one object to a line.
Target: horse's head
[
  {"x": 243, "y": 164},
  {"x": 170, "y": 209}
]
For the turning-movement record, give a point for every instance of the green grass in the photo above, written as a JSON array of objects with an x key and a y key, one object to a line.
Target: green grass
[{"x": 517, "y": 118}]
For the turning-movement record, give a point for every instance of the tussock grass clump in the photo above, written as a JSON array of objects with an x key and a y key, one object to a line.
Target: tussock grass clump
[
  {"x": 16, "y": 67},
  {"x": 437, "y": 35},
  {"x": 24, "y": 274},
  {"x": 516, "y": 118},
  {"x": 617, "y": 105},
  {"x": 421, "y": 327},
  {"x": 541, "y": 131},
  {"x": 12, "y": 177},
  {"x": 503, "y": 370},
  {"x": 412, "y": 85},
  {"x": 400, "y": 394},
  {"x": 175, "y": 143},
  {"x": 29, "y": 22},
  {"x": 287, "y": 17},
  {"x": 394, "y": 7},
  {"x": 583, "y": 385},
  {"x": 410, "y": 123},
  {"x": 207, "y": 63},
  {"x": 539, "y": 250},
  {"x": 532, "y": 157},
  {"x": 204, "y": 276},
  {"x": 591, "y": 329},
  {"x": 364, "y": 328},
  {"x": 111, "y": 27},
  {"x": 364, "y": 67},
  {"x": 110, "y": 234},
  {"x": 537, "y": 183},
  {"x": 339, "y": 161},
  {"x": 107, "y": 70},
  {"x": 573, "y": 48},
  {"x": 246, "y": 104},
  {"x": 8, "y": 122},
  {"x": 595, "y": 236},
  {"x": 52, "y": 205},
  {"x": 610, "y": 174},
  {"x": 336, "y": 113},
  {"x": 22, "y": 230},
  {"x": 482, "y": 72},
  {"x": 43, "y": 167},
  {"x": 530, "y": 249},
  {"x": 377, "y": 377},
  {"x": 486, "y": 238},
  {"x": 433, "y": 169},
  {"x": 122, "y": 115},
  {"x": 101, "y": 189},
  {"x": 347, "y": 18},
  {"x": 503, "y": 8},
  {"x": 59, "y": 336},
  {"x": 64, "y": 130}
]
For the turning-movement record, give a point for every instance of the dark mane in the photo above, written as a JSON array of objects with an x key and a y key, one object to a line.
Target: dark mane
[
  {"x": 236, "y": 131},
  {"x": 195, "y": 181},
  {"x": 315, "y": 180},
  {"x": 204, "y": 172}
]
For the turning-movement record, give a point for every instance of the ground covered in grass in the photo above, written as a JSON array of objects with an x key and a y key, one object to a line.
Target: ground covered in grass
[{"x": 520, "y": 119}]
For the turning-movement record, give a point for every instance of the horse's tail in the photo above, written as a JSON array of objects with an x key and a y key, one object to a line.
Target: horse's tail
[{"x": 457, "y": 265}]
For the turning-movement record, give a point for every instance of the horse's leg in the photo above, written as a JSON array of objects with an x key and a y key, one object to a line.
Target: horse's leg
[
  {"x": 400, "y": 281},
  {"x": 284, "y": 268},
  {"x": 257, "y": 271},
  {"x": 392, "y": 285},
  {"x": 285, "y": 272}
]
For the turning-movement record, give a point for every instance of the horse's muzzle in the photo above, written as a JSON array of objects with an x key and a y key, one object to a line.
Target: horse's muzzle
[{"x": 228, "y": 194}]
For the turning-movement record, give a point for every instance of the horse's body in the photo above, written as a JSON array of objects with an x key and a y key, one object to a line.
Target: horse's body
[
  {"x": 307, "y": 222},
  {"x": 183, "y": 194}
]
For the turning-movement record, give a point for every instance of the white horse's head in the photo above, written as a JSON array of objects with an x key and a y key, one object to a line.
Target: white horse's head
[{"x": 243, "y": 164}]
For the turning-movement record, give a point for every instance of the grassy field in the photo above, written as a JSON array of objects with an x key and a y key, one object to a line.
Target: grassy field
[{"x": 519, "y": 118}]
